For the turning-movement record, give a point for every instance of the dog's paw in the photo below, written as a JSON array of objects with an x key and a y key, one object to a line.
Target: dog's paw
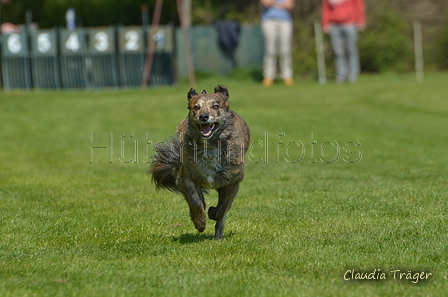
[
  {"x": 212, "y": 212},
  {"x": 199, "y": 219},
  {"x": 200, "y": 224}
]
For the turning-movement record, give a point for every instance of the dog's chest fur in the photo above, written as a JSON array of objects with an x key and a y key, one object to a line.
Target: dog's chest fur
[{"x": 208, "y": 166}]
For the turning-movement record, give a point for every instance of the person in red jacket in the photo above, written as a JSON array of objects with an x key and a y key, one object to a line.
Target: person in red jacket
[{"x": 342, "y": 19}]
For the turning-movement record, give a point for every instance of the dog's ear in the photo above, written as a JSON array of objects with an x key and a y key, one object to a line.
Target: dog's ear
[
  {"x": 191, "y": 93},
  {"x": 222, "y": 90},
  {"x": 203, "y": 92}
]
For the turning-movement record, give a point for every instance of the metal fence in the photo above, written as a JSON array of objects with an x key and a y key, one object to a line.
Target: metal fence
[
  {"x": 44, "y": 59},
  {"x": 208, "y": 57},
  {"x": 105, "y": 57},
  {"x": 114, "y": 57},
  {"x": 131, "y": 58},
  {"x": 16, "y": 67}
]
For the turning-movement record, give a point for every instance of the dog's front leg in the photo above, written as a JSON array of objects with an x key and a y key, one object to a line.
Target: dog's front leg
[
  {"x": 218, "y": 213},
  {"x": 195, "y": 201},
  {"x": 219, "y": 228}
]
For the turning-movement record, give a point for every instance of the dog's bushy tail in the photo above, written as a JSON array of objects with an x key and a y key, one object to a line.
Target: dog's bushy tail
[{"x": 164, "y": 165}]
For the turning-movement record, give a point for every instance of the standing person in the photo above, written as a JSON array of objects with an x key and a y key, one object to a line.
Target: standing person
[
  {"x": 277, "y": 26},
  {"x": 342, "y": 19}
]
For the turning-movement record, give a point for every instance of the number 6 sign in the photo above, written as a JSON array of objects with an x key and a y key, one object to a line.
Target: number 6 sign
[{"x": 14, "y": 43}]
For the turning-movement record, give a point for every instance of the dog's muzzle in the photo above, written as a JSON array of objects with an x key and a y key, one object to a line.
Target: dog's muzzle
[
  {"x": 207, "y": 130},
  {"x": 205, "y": 127}
]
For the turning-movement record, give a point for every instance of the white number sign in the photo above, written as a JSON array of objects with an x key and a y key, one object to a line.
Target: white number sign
[
  {"x": 14, "y": 43},
  {"x": 101, "y": 41},
  {"x": 72, "y": 42},
  {"x": 43, "y": 42},
  {"x": 132, "y": 41}
]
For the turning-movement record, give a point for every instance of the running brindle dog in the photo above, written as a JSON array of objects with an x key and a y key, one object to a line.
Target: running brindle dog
[{"x": 207, "y": 153}]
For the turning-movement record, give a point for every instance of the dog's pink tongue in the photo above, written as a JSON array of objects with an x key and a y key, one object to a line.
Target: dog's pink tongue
[{"x": 206, "y": 129}]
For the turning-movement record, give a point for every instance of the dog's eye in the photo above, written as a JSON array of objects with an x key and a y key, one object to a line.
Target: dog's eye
[
  {"x": 215, "y": 106},
  {"x": 196, "y": 107}
]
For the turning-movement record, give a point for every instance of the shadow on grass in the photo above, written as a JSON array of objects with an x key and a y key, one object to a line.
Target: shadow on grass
[{"x": 189, "y": 238}]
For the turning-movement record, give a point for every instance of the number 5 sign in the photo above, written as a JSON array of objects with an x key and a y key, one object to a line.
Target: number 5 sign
[{"x": 43, "y": 42}]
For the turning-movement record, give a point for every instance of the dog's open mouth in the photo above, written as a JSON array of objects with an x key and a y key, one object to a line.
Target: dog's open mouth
[{"x": 207, "y": 130}]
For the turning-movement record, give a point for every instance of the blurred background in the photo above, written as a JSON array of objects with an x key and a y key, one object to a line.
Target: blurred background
[{"x": 387, "y": 44}]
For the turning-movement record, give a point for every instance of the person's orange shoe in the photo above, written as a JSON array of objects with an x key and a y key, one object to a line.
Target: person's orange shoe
[
  {"x": 267, "y": 82},
  {"x": 288, "y": 82}
]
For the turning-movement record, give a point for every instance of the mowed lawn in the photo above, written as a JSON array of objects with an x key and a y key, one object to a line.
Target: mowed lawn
[{"x": 342, "y": 182}]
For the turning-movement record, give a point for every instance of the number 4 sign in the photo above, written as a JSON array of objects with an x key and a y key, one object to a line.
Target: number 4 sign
[{"x": 72, "y": 43}]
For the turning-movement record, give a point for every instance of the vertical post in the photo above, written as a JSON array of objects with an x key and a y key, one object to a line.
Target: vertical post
[
  {"x": 145, "y": 15},
  {"x": 189, "y": 57},
  {"x": 150, "y": 52},
  {"x": 28, "y": 67},
  {"x": 29, "y": 19},
  {"x": 320, "y": 53},
  {"x": 186, "y": 12},
  {"x": 1, "y": 40},
  {"x": 418, "y": 50}
]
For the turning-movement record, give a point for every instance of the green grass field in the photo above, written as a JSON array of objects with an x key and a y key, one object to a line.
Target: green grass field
[{"x": 352, "y": 178}]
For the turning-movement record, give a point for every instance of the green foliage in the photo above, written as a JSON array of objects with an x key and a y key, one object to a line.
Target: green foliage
[
  {"x": 89, "y": 12},
  {"x": 247, "y": 74},
  {"x": 304, "y": 50},
  {"x": 386, "y": 43},
  {"x": 204, "y": 12},
  {"x": 442, "y": 47},
  {"x": 73, "y": 228}
]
